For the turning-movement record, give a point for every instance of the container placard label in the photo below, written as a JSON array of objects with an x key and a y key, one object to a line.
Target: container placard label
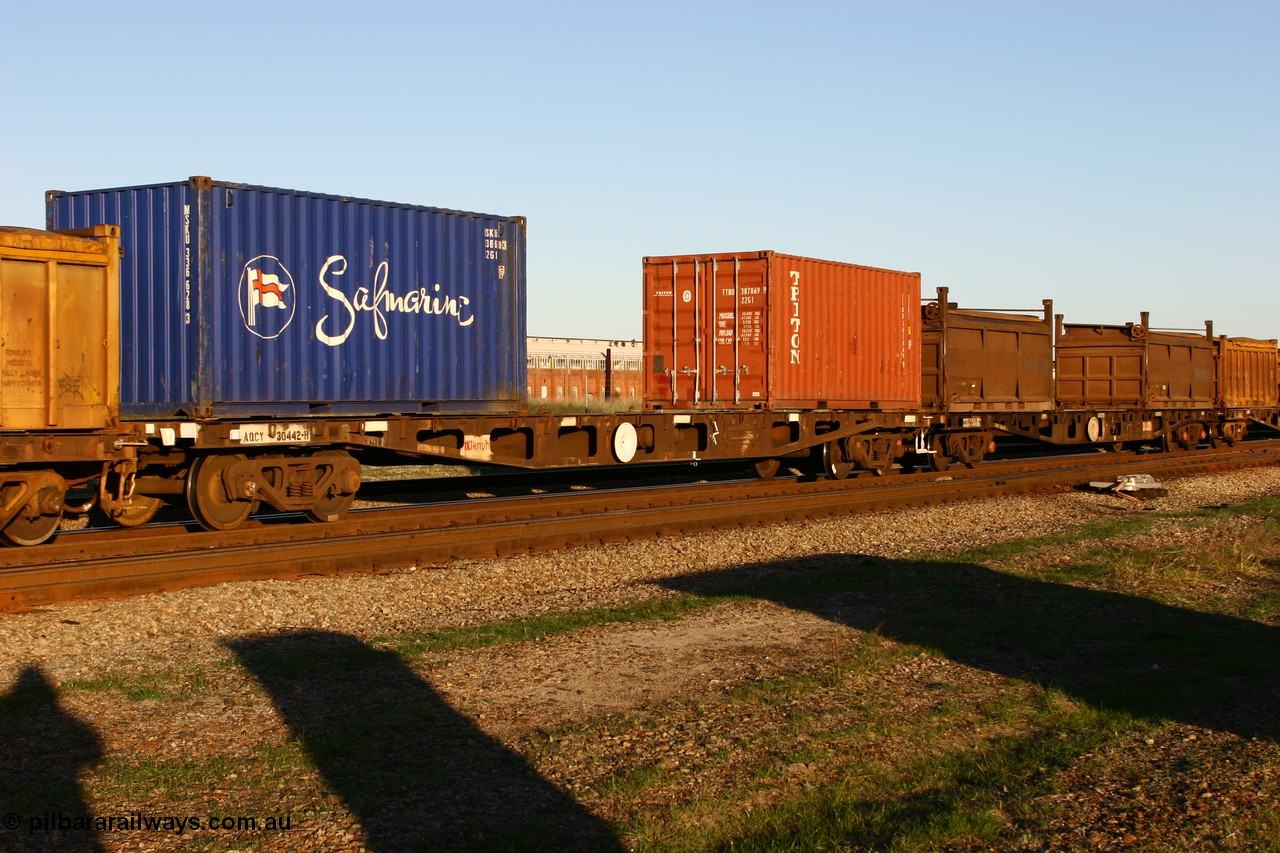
[{"x": 275, "y": 433}]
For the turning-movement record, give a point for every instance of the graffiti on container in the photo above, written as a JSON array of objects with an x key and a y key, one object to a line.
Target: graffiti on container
[
  {"x": 266, "y": 296},
  {"x": 70, "y": 386},
  {"x": 379, "y": 299}
]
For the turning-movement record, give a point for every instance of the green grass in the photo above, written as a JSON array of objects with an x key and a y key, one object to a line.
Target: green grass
[
  {"x": 139, "y": 687},
  {"x": 950, "y": 792},
  {"x": 958, "y": 795},
  {"x": 1093, "y": 531},
  {"x": 415, "y": 644},
  {"x": 265, "y": 768}
]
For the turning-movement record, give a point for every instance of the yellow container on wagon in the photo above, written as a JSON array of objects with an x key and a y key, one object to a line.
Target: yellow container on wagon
[
  {"x": 59, "y": 328},
  {"x": 1247, "y": 375}
]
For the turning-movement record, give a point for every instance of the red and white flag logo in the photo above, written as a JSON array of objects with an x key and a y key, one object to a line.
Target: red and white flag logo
[
  {"x": 266, "y": 289},
  {"x": 266, "y": 296}
]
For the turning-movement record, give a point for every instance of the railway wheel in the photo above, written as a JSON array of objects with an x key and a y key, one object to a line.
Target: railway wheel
[
  {"x": 330, "y": 508},
  {"x": 1178, "y": 440},
  {"x": 767, "y": 468},
  {"x": 338, "y": 497},
  {"x": 31, "y": 529},
  {"x": 976, "y": 447},
  {"x": 137, "y": 512},
  {"x": 938, "y": 459},
  {"x": 835, "y": 464},
  {"x": 209, "y": 497},
  {"x": 1232, "y": 433}
]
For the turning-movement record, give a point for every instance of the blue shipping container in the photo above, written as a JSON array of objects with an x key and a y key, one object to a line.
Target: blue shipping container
[{"x": 247, "y": 300}]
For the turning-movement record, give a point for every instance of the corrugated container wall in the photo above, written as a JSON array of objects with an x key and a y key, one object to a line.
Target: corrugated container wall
[
  {"x": 247, "y": 300},
  {"x": 1246, "y": 373},
  {"x": 763, "y": 330},
  {"x": 985, "y": 361},
  {"x": 59, "y": 298},
  {"x": 1131, "y": 365}
]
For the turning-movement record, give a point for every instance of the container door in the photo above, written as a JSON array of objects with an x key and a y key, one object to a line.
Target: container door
[
  {"x": 734, "y": 369},
  {"x": 53, "y": 357},
  {"x": 25, "y": 394},
  {"x": 706, "y": 334},
  {"x": 670, "y": 331}
]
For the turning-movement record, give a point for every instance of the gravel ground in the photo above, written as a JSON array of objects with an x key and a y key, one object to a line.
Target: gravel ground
[
  {"x": 82, "y": 639},
  {"x": 513, "y": 692}
]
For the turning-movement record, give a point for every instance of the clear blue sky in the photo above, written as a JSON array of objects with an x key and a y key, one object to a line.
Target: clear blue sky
[{"x": 1114, "y": 156}]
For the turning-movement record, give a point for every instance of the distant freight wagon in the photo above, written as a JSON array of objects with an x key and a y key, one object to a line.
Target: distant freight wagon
[{"x": 241, "y": 300}]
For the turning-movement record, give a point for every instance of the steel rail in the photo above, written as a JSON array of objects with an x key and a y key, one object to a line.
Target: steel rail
[{"x": 432, "y": 535}]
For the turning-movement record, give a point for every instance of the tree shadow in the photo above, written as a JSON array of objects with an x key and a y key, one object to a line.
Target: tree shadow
[
  {"x": 1114, "y": 651},
  {"x": 43, "y": 750},
  {"x": 417, "y": 774}
]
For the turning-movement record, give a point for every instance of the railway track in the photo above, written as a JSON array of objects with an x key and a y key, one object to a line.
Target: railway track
[{"x": 174, "y": 556}]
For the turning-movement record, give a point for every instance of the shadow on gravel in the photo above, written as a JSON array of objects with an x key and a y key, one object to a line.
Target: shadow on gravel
[
  {"x": 1114, "y": 651},
  {"x": 43, "y": 750},
  {"x": 417, "y": 774}
]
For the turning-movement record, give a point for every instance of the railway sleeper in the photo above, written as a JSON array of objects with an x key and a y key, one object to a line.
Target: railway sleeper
[{"x": 223, "y": 489}]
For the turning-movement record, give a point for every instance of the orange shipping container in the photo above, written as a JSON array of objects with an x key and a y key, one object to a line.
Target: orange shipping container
[{"x": 764, "y": 330}]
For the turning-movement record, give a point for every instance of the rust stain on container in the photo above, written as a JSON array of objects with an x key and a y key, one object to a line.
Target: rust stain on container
[{"x": 766, "y": 330}]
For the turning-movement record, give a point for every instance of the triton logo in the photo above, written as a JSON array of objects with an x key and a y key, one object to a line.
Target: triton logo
[{"x": 267, "y": 296}]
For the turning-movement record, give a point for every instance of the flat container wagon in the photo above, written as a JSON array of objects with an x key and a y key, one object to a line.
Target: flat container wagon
[
  {"x": 1247, "y": 377},
  {"x": 984, "y": 360},
  {"x": 765, "y": 330},
  {"x": 1133, "y": 365},
  {"x": 59, "y": 305},
  {"x": 240, "y": 300}
]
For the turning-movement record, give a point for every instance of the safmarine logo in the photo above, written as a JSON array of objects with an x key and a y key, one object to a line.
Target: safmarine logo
[{"x": 267, "y": 296}]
